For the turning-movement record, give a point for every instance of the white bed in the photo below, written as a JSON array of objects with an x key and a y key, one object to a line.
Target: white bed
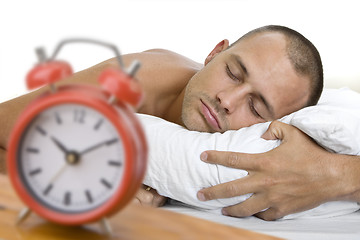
[
  {"x": 338, "y": 220},
  {"x": 343, "y": 227}
]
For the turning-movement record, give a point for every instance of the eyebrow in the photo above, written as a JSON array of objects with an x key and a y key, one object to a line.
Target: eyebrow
[
  {"x": 242, "y": 66},
  {"x": 240, "y": 63}
]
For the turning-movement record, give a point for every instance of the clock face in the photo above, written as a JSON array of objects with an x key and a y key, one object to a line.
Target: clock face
[{"x": 71, "y": 158}]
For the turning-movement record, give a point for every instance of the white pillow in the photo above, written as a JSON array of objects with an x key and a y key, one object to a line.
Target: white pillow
[{"x": 176, "y": 171}]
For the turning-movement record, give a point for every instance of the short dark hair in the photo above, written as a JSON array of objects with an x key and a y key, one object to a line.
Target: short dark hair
[{"x": 303, "y": 55}]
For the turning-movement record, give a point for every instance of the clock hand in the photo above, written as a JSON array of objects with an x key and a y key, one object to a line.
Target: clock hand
[
  {"x": 107, "y": 142},
  {"x": 58, "y": 173},
  {"x": 60, "y": 145},
  {"x": 70, "y": 158}
]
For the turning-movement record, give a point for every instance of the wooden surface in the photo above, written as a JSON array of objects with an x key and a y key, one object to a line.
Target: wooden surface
[{"x": 133, "y": 222}]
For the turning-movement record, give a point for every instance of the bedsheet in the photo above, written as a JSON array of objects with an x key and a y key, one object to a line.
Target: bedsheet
[{"x": 345, "y": 227}]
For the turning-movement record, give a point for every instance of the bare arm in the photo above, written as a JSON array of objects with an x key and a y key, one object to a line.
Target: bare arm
[
  {"x": 163, "y": 75},
  {"x": 296, "y": 176},
  {"x": 2, "y": 161}
]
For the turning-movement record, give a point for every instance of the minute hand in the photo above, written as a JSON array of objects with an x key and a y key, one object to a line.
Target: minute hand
[{"x": 96, "y": 146}]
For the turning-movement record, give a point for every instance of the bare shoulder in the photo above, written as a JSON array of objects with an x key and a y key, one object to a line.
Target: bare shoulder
[
  {"x": 165, "y": 60},
  {"x": 166, "y": 68},
  {"x": 171, "y": 57},
  {"x": 163, "y": 75},
  {"x": 159, "y": 64}
]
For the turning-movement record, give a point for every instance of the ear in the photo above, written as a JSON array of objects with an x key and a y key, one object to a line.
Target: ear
[{"x": 221, "y": 46}]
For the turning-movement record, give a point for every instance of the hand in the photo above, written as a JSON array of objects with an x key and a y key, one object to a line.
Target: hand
[
  {"x": 149, "y": 197},
  {"x": 296, "y": 176}
]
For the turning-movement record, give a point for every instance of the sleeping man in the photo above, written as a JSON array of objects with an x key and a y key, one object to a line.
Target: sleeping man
[{"x": 268, "y": 73}]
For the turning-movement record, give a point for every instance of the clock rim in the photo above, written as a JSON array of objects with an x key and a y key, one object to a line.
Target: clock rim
[{"x": 96, "y": 99}]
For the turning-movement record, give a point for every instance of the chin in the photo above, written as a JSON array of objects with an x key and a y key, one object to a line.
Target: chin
[{"x": 193, "y": 125}]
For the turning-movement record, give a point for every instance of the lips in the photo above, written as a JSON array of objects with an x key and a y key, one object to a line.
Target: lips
[{"x": 210, "y": 116}]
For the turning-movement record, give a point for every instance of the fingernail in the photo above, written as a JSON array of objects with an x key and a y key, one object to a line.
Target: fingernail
[
  {"x": 201, "y": 196},
  {"x": 203, "y": 156},
  {"x": 224, "y": 212}
]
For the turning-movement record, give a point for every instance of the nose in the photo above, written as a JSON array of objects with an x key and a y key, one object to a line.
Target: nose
[{"x": 233, "y": 97}]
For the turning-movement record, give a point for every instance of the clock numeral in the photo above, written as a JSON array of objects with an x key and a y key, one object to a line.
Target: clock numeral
[
  {"x": 114, "y": 163},
  {"x": 88, "y": 196},
  {"x": 41, "y": 130},
  {"x": 32, "y": 150},
  {"x": 98, "y": 124},
  {"x": 58, "y": 118},
  {"x": 106, "y": 183},
  {"x": 48, "y": 189},
  {"x": 79, "y": 116},
  {"x": 67, "y": 198},
  {"x": 35, "y": 171}
]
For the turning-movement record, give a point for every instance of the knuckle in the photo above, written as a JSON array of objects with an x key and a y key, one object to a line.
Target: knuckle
[
  {"x": 268, "y": 182},
  {"x": 208, "y": 195},
  {"x": 232, "y": 160},
  {"x": 231, "y": 189},
  {"x": 274, "y": 124}
]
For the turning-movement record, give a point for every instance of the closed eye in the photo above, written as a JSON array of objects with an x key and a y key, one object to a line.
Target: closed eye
[
  {"x": 230, "y": 74},
  {"x": 253, "y": 109}
]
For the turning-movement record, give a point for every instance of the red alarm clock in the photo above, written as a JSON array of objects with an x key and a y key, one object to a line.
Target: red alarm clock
[{"x": 78, "y": 153}]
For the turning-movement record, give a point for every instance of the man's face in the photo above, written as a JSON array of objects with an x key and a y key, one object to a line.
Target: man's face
[{"x": 251, "y": 82}]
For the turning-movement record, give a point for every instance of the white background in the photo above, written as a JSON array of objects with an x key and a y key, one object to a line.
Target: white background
[{"x": 189, "y": 27}]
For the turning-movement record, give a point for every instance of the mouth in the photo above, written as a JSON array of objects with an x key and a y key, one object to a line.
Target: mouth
[{"x": 210, "y": 117}]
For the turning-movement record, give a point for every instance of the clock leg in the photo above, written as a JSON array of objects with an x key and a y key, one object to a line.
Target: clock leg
[
  {"x": 24, "y": 213},
  {"x": 106, "y": 226}
]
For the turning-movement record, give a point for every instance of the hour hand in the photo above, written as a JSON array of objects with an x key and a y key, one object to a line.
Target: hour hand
[{"x": 60, "y": 145}]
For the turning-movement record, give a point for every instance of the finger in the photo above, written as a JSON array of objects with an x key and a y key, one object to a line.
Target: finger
[
  {"x": 245, "y": 161},
  {"x": 278, "y": 130},
  {"x": 149, "y": 196},
  {"x": 249, "y": 207},
  {"x": 287, "y": 207},
  {"x": 234, "y": 188},
  {"x": 270, "y": 214}
]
